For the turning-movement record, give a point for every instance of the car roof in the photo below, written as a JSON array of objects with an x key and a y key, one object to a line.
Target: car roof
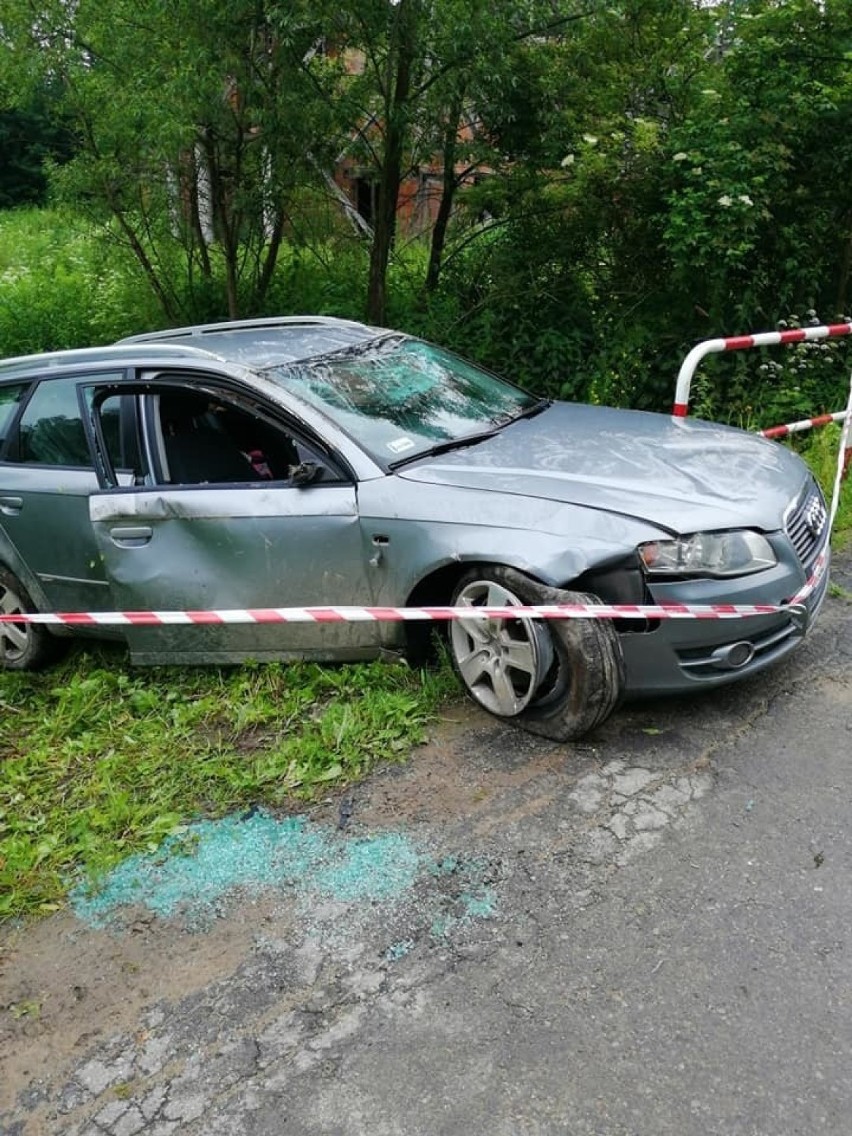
[
  {"x": 265, "y": 342},
  {"x": 59, "y": 360},
  {"x": 253, "y": 343}
]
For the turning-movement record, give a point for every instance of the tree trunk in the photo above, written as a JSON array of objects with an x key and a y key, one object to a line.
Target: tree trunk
[
  {"x": 199, "y": 237},
  {"x": 271, "y": 258},
  {"x": 448, "y": 192},
  {"x": 396, "y": 127},
  {"x": 227, "y": 225}
]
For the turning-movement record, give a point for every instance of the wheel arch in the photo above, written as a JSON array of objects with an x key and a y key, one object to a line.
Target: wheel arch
[
  {"x": 436, "y": 589},
  {"x": 11, "y": 561}
]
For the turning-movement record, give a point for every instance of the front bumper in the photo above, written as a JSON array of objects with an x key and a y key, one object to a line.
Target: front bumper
[{"x": 678, "y": 655}]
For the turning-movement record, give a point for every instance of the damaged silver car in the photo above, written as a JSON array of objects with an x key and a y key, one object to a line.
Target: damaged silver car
[{"x": 310, "y": 461}]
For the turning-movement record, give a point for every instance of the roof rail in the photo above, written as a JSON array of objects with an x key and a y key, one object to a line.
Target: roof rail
[
  {"x": 98, "y": 355},
  {"x": 243, "y": 325}
]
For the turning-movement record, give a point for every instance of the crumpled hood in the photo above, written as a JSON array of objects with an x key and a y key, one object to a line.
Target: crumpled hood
[{"x": 684, "y": 475}]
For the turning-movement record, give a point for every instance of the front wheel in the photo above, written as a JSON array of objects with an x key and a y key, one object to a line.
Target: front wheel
[
  {"x": 556, "y": 678},
  {"x": 23, "y": 646}
]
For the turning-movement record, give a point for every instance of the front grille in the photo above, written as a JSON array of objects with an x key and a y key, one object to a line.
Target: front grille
[{"x": 807, "y": 524}]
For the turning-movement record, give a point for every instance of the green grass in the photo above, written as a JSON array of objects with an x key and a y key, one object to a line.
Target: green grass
[
  {"x": 821, "y": 455},
  {"x": 98, "y": 760}
]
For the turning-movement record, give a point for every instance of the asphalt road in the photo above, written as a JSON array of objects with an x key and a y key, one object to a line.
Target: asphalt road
[{"x": 645, "y": 934}]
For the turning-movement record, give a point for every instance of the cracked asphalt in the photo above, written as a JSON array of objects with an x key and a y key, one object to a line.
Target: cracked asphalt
[{"x": 661, "y": 943}]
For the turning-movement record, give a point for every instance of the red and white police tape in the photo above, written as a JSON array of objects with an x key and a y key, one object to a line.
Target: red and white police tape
[{"x": 404, "y": 614}]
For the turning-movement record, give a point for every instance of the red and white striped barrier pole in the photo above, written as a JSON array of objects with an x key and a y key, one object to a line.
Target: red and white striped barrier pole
[
  {"x": 777, "y": 432},
  {"x": 809, "y": 424},
  {"x": 741, "y": 343},
  {"x": 680, "y": 409},
  {"x": 802, "y": 424}
]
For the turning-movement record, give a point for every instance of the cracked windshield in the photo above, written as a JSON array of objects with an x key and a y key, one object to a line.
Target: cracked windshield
[{"x": 400, "y": 398}]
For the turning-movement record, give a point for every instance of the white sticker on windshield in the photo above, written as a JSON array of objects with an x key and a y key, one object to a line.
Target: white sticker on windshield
[{"x": 400, "y": 445}]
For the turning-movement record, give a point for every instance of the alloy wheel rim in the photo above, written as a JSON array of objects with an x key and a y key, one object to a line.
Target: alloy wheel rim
[
  {"x": 502, "y": 662},
  {"x": 14, "y": 637}
]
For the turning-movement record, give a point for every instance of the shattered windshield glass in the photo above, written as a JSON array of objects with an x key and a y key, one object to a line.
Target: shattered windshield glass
[{"x": 399, "y": 397}]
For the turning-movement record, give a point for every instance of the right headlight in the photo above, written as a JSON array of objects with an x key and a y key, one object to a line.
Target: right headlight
[{"x": 736, "y": 553}]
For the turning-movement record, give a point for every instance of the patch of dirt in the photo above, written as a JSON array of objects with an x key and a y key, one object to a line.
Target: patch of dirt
[
  {"x": 64, "y": 985},
  {"x": 477, "y": 771},
  {"x": 463, "y": 772}
]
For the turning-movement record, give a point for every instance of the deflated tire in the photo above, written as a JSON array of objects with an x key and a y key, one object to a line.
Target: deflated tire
[{"x": 559, "y": 678}]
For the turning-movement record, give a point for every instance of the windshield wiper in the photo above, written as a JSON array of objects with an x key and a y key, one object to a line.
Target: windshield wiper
[
  {"x": 530, "y": 412},
  {"x": 472, "y": 439},
  {"x": 444, "y": 447}
]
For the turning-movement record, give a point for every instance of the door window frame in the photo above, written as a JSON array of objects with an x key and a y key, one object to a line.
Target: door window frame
[
  {"x": 10, "y": 446},
  {"x": 143, "y": 383}
]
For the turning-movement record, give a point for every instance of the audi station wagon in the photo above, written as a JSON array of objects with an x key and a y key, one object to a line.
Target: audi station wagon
[{"x": 304, "y": 462}]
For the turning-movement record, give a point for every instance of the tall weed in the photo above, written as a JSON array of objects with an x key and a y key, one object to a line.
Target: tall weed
[{"x": 64, "y": 283}]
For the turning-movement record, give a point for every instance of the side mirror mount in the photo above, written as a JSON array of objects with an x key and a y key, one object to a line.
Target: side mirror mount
[{"x": 305, "y": 472}]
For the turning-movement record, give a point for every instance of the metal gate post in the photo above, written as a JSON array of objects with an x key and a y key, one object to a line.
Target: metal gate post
[{"x": 740, "y": 343}]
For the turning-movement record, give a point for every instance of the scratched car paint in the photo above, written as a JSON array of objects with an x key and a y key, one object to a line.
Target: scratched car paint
[{"x": 310, "y": 461}]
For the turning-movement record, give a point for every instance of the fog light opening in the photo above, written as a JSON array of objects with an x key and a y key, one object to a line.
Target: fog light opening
[{"x": 733, "y": 656}]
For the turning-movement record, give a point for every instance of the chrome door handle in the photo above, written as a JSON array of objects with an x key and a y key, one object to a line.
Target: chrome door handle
[
  {"x": 11, "y": 506},
  {"x": 131, "y": 536}
]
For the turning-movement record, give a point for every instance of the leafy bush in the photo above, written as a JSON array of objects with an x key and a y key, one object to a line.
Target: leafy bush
[
  {"x": 506, "y": 301},
  {"x": 64, "y": 284}
]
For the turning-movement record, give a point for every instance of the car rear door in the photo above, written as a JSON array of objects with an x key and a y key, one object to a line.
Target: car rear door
[
  {"x": 47, "y": 474},
  {"x": 231, "y": 509}
]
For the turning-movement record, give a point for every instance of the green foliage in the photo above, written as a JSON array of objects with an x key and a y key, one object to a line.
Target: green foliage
[
  {"x": 757, "y": 207},
  {"x": 647, "y": 174},
  {"x": 31, "y": 137},
  {"x": 195, "y": 123},
  {"x": 64, "y": 283},
  {"x": 98, "y": 761},
  {"x": 820, "y": 451},
  {"x": 326, "y": 279},
  {"x": 691, "y": 180}
]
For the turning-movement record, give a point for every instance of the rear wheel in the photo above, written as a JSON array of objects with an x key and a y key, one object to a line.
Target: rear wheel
[
  {"x": 557, "y": 678},
  {"x": 23, "y": 646}
]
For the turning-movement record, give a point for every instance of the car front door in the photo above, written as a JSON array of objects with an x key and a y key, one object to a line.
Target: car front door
[{"x": 230, "y": 509}]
